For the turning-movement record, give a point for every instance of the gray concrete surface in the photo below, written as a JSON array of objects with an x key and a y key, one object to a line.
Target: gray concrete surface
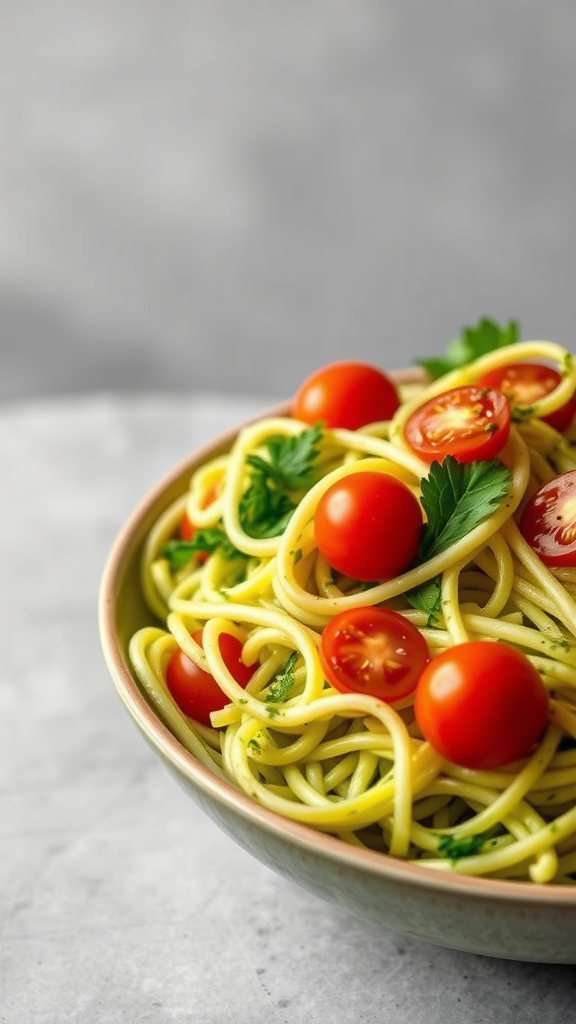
[
  {"x": 121, "y": 902},
  {"x": 223, "y": 195}
]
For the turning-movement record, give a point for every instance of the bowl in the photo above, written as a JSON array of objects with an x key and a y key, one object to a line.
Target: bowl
[{"x": 506, "y": 919}]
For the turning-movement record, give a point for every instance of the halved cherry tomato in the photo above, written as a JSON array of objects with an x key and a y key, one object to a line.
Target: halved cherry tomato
[
  {"x": 368, "y": 525},
  {"x": 548, "y": 521},
  {"x": 468, "y": 422},
  {"x": 374, "y": 651},
  {"x": 526, "y": 383},
  {"x": 196, "y": 692},
  {"x": 346, "y": 394},
  {"x": 481, "y": 704}
]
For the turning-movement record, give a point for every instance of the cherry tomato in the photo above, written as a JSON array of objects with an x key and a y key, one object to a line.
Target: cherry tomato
[
  {"x": 526, "y": 383},
  {"x": 346, "y": 394},
  {"x": 196, "y": 692},
  {"x": 548, "y": 521},
  {"x": 468, "y": 422},
  {"x": 187, "y": 530},
  {"x": 481, "y": 704},
  {"x": 375, "y": 651},
  {"x": 368, "y": 525}
]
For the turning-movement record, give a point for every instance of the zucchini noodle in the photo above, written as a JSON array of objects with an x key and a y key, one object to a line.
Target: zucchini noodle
[{"x": 348, "y": 763}]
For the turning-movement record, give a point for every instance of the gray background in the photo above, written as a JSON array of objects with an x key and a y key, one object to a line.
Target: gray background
[{"x": 222, "y": 195}]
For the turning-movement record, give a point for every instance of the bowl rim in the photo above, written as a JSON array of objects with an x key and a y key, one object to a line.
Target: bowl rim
[{"x": 223, "y": 791}]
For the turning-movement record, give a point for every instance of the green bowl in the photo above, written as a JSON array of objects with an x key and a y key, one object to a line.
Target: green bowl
[{"x": 513, "y": 920}]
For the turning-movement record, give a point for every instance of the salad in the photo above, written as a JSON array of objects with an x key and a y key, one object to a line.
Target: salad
[{"x": 366, "y": 609}]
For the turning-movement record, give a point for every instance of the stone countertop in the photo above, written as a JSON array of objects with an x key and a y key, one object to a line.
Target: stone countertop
[{"x": 119, "y": 899}]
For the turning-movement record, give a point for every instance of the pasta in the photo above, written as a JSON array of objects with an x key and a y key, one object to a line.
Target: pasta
[{"x": 348, "y": 763}]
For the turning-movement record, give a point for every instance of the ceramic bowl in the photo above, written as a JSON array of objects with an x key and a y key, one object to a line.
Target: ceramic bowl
[{"x": 513, "y": 920}]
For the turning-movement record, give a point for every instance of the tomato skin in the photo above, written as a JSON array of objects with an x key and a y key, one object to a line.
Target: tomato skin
[
  {"x": 186, "y": 530},
  {"x": 196, "y": 692},
  {"x": 368, "y": 525},
  {"x": 467, "y": 422},
  {"x": 481, "y": 704},
  {"x": 374, "y": 651},
  {"x": 346, "y": 394},
  {"x": 526, "y": 383},
  {"x": 548, "y": 521}
]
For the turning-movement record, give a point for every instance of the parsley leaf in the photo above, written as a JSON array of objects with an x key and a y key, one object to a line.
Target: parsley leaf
[
  {"x": 427, "y": 597},
  {"x": 292, "y": 458},
  {"x": 456, "y": 498},
  {"x": 283, "y": 682},
  {"x": 473, "y": 342},
  {"x": 179, "y": 552},
  {"x": 278, "y": 482}
]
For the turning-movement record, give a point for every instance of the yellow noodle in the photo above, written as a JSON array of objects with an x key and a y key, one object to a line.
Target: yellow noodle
[{"x": 451, "y": 611}]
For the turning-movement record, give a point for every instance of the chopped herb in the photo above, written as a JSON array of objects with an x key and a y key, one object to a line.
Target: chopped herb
[
  {"x": 297, "y": 555},
  {"x": 467, "y": 846},
  {"x": 278, "y": 482},
  {"x": 456, "y": 498},
  {"x": 521, "y": 412},
  {"x": 254, "y": 745},
  {"x": 283, "y": 682},
  {"x": 179, "y": 552},
  {"x": 273, "y": 711},
  {"x": 556, "y": 643},
  {"x": 473, "y": 342}
]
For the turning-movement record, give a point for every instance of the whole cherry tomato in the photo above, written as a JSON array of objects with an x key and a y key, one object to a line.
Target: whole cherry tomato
[
  {"x": 526, "y": 383},
  {"x": 368, "y": 525},
  {"x": 375, "y": 651},
  {"x": 196, "y": 692},
  {"x": 481, "y": 704},
  {"x": 346, "y": 394},
  {"x": 468, "y": 423},
  {"x": 548, "y": 521}
]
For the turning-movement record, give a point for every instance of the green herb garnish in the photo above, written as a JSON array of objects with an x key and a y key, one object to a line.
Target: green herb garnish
[
  {"x": 273, "y": 711},
  {"x": 473, "y": 342},
  {"x": 278, "y": 482},
  {"x": 456, "y": 498},
  {"x": 283, "y": 682},
  {"x": 179, "y": 552},
  {"x": 427, "y": 597},
  {"x": 453, "y": 848}
]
